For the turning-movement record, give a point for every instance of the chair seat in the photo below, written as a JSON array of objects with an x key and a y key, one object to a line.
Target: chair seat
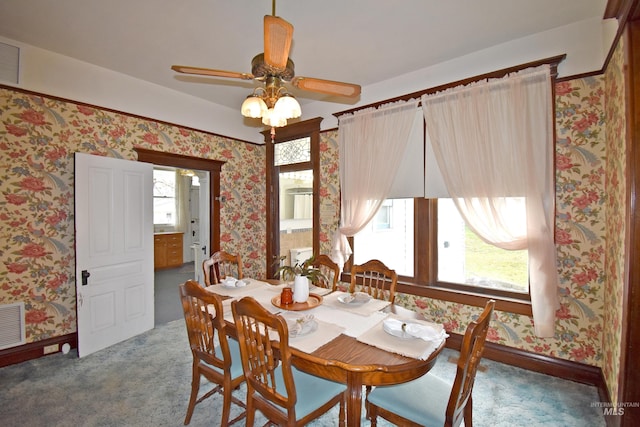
[
  {"x": 236, "y": 365},
  {"x": 312, "y": 391},
  {"x": 423, "y": 401}
]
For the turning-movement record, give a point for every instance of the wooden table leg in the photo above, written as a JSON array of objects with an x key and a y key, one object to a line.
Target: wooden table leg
[{"x": 354, "y": 399}]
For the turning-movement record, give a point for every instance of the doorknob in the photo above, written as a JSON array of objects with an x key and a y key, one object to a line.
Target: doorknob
[{"x": 85, "y": 275}]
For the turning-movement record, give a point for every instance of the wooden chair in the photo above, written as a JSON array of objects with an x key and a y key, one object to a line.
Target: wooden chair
[
  {"x": 220, "y": 265},
  {"x": 329, "y": 269},
  {"x": 219, "y": 364},
  {"x": 430, "y": 401},
  {"x": 284, "y": 394},
  {"x": 378, "y": 280}
]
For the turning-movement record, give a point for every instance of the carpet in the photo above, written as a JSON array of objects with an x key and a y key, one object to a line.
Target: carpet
[{"x": 145, "y": 381}]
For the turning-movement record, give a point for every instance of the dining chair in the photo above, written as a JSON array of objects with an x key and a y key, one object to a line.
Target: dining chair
[
  {"x": 429, "y": 400},
  {"x": 220, "y": 265},
  {"x": 377, "y": 280},
  {"x": 329, "y": 269},
  {"x": 215, "y": 356},
  {"x": 284, "y": 394}
]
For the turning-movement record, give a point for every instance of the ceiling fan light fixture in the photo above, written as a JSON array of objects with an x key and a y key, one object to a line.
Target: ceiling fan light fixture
[
  {"x": 288, "y": 107},
  {"x": 253, "y": 107},
  {"x": 273, "y": 119}
]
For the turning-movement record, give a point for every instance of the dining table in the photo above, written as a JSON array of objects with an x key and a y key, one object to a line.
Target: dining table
[{"x": 344, "y": 341}]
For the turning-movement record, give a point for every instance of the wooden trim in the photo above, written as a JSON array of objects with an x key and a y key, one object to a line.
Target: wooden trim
[
  {"x": 616, "y": 9},
  {"x": 561, "y": 368},
  {"x": 467, "y": 298},
  {"x": 35, "y": 350},
  {"x": 307, "y": 128},
  {"x": 552, "y": 61},
  {"x": 629, "y": 378},
  {"x": 212, "y": 166}
]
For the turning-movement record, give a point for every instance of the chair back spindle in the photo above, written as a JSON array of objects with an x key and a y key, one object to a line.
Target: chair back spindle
[
  {"x": 220, "y": 265},
  {"x": 376, "y": 279}
]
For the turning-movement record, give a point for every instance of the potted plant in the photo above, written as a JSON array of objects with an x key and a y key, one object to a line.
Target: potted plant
[{"x": 302, "y": 274}]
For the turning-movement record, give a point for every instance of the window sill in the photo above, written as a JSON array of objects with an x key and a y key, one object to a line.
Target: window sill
[{"x": 508, "y": 305}]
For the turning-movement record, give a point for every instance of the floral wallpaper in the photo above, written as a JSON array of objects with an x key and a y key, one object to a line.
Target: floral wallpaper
[
  {"x": 38, "y": 138},
  {"x": 617, "y": 207},
  {"x": 329, "y": 189},
  {"x": 580, "y": 235}
]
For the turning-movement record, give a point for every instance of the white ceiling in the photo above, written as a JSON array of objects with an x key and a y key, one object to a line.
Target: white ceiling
[{"x": 356, "y": 41}]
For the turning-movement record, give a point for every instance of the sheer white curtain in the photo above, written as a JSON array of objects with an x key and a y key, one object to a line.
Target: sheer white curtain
[
  {"x": 182, "y": 201},
  {"x": 493, "y": 142},
  {"x": 371, "y": 143}
]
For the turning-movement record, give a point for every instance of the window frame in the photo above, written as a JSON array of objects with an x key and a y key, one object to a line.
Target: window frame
[
  {"x": 167, "y": 225},
  {"x": 425, "y": 282},
  {"x": 308, "y": 128}
]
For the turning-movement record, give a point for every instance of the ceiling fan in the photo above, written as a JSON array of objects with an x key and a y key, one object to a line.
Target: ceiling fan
[{"x": 274, "y": 68}]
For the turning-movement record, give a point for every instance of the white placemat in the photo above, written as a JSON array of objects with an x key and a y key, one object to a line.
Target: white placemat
[
  {"x": 354, "y": 324},
  {"x": 409, "y": 347},
  {"x": 366, "y": 309},
  {"x": 252, "y": 284},
  {"x": 308, "y": 343},
  {"x": 263, "y": 292},
  {"x": 319, "y": 290}
]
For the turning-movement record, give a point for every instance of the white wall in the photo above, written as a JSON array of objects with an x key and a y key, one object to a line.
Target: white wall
[
  {"x": 585, "y": 44},
  {"x": 58, "y": 75}
]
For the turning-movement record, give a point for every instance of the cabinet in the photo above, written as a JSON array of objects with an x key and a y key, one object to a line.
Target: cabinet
[{"x": 167, "y": 250}]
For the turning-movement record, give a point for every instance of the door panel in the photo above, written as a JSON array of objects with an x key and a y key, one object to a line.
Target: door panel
[{"x": 114, "y": 245}]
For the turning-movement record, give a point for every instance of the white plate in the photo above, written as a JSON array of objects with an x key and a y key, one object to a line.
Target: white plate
[
  {"x": 300, "y": 326},
  {"x": 233, "y": 284},
  {"x": 230, "y": 285},
  {"x": 355, "y": 299},
  {"x": 398, "y": 333}
]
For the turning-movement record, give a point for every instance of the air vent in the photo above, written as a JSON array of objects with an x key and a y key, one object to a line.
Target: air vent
[
  {"x": 9, "y": 63},
  {"x": 12, "y": 331}
]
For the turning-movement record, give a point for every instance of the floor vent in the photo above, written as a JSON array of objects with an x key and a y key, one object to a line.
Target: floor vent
[{"x": 12, "y": 331}]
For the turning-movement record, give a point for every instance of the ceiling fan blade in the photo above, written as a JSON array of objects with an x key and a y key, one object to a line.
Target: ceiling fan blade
[
  {"x": 329, "y": 87},
  {"x": 278, "y": 34},
  {"x": 211, "y": 72}
]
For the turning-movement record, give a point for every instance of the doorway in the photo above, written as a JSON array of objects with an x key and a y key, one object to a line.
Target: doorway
[
  {"x": 208, "y": 225},
  {"x": 178, "y": 243}
]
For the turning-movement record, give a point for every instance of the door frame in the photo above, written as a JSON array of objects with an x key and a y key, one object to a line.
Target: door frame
[
  {"x": 214, "y": 168},
  {"x": 308, "y": 128}
]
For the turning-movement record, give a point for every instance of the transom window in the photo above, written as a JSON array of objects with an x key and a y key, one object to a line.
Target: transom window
[{"x": 293, "y": 151}]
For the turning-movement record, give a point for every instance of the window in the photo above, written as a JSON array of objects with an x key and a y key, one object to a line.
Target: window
[
  {"x": 291, "y": 152},
  {"x": 293, "y": 168},
  {"x": 389, "y": 237},
  {"x": 461, "y": 260},
  {"x": 164, "y": 198},
  {"x": 465, "y": 258}
]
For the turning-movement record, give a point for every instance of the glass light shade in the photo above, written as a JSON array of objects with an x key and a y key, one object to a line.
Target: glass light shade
[
  {"x": 288, "y": 107},
  {"x": 253, "y": 107},
  {"x": 271, "y": 118}
]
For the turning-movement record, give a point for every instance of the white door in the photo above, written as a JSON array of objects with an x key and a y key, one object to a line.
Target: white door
[{"x": 114, "y": 250}]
